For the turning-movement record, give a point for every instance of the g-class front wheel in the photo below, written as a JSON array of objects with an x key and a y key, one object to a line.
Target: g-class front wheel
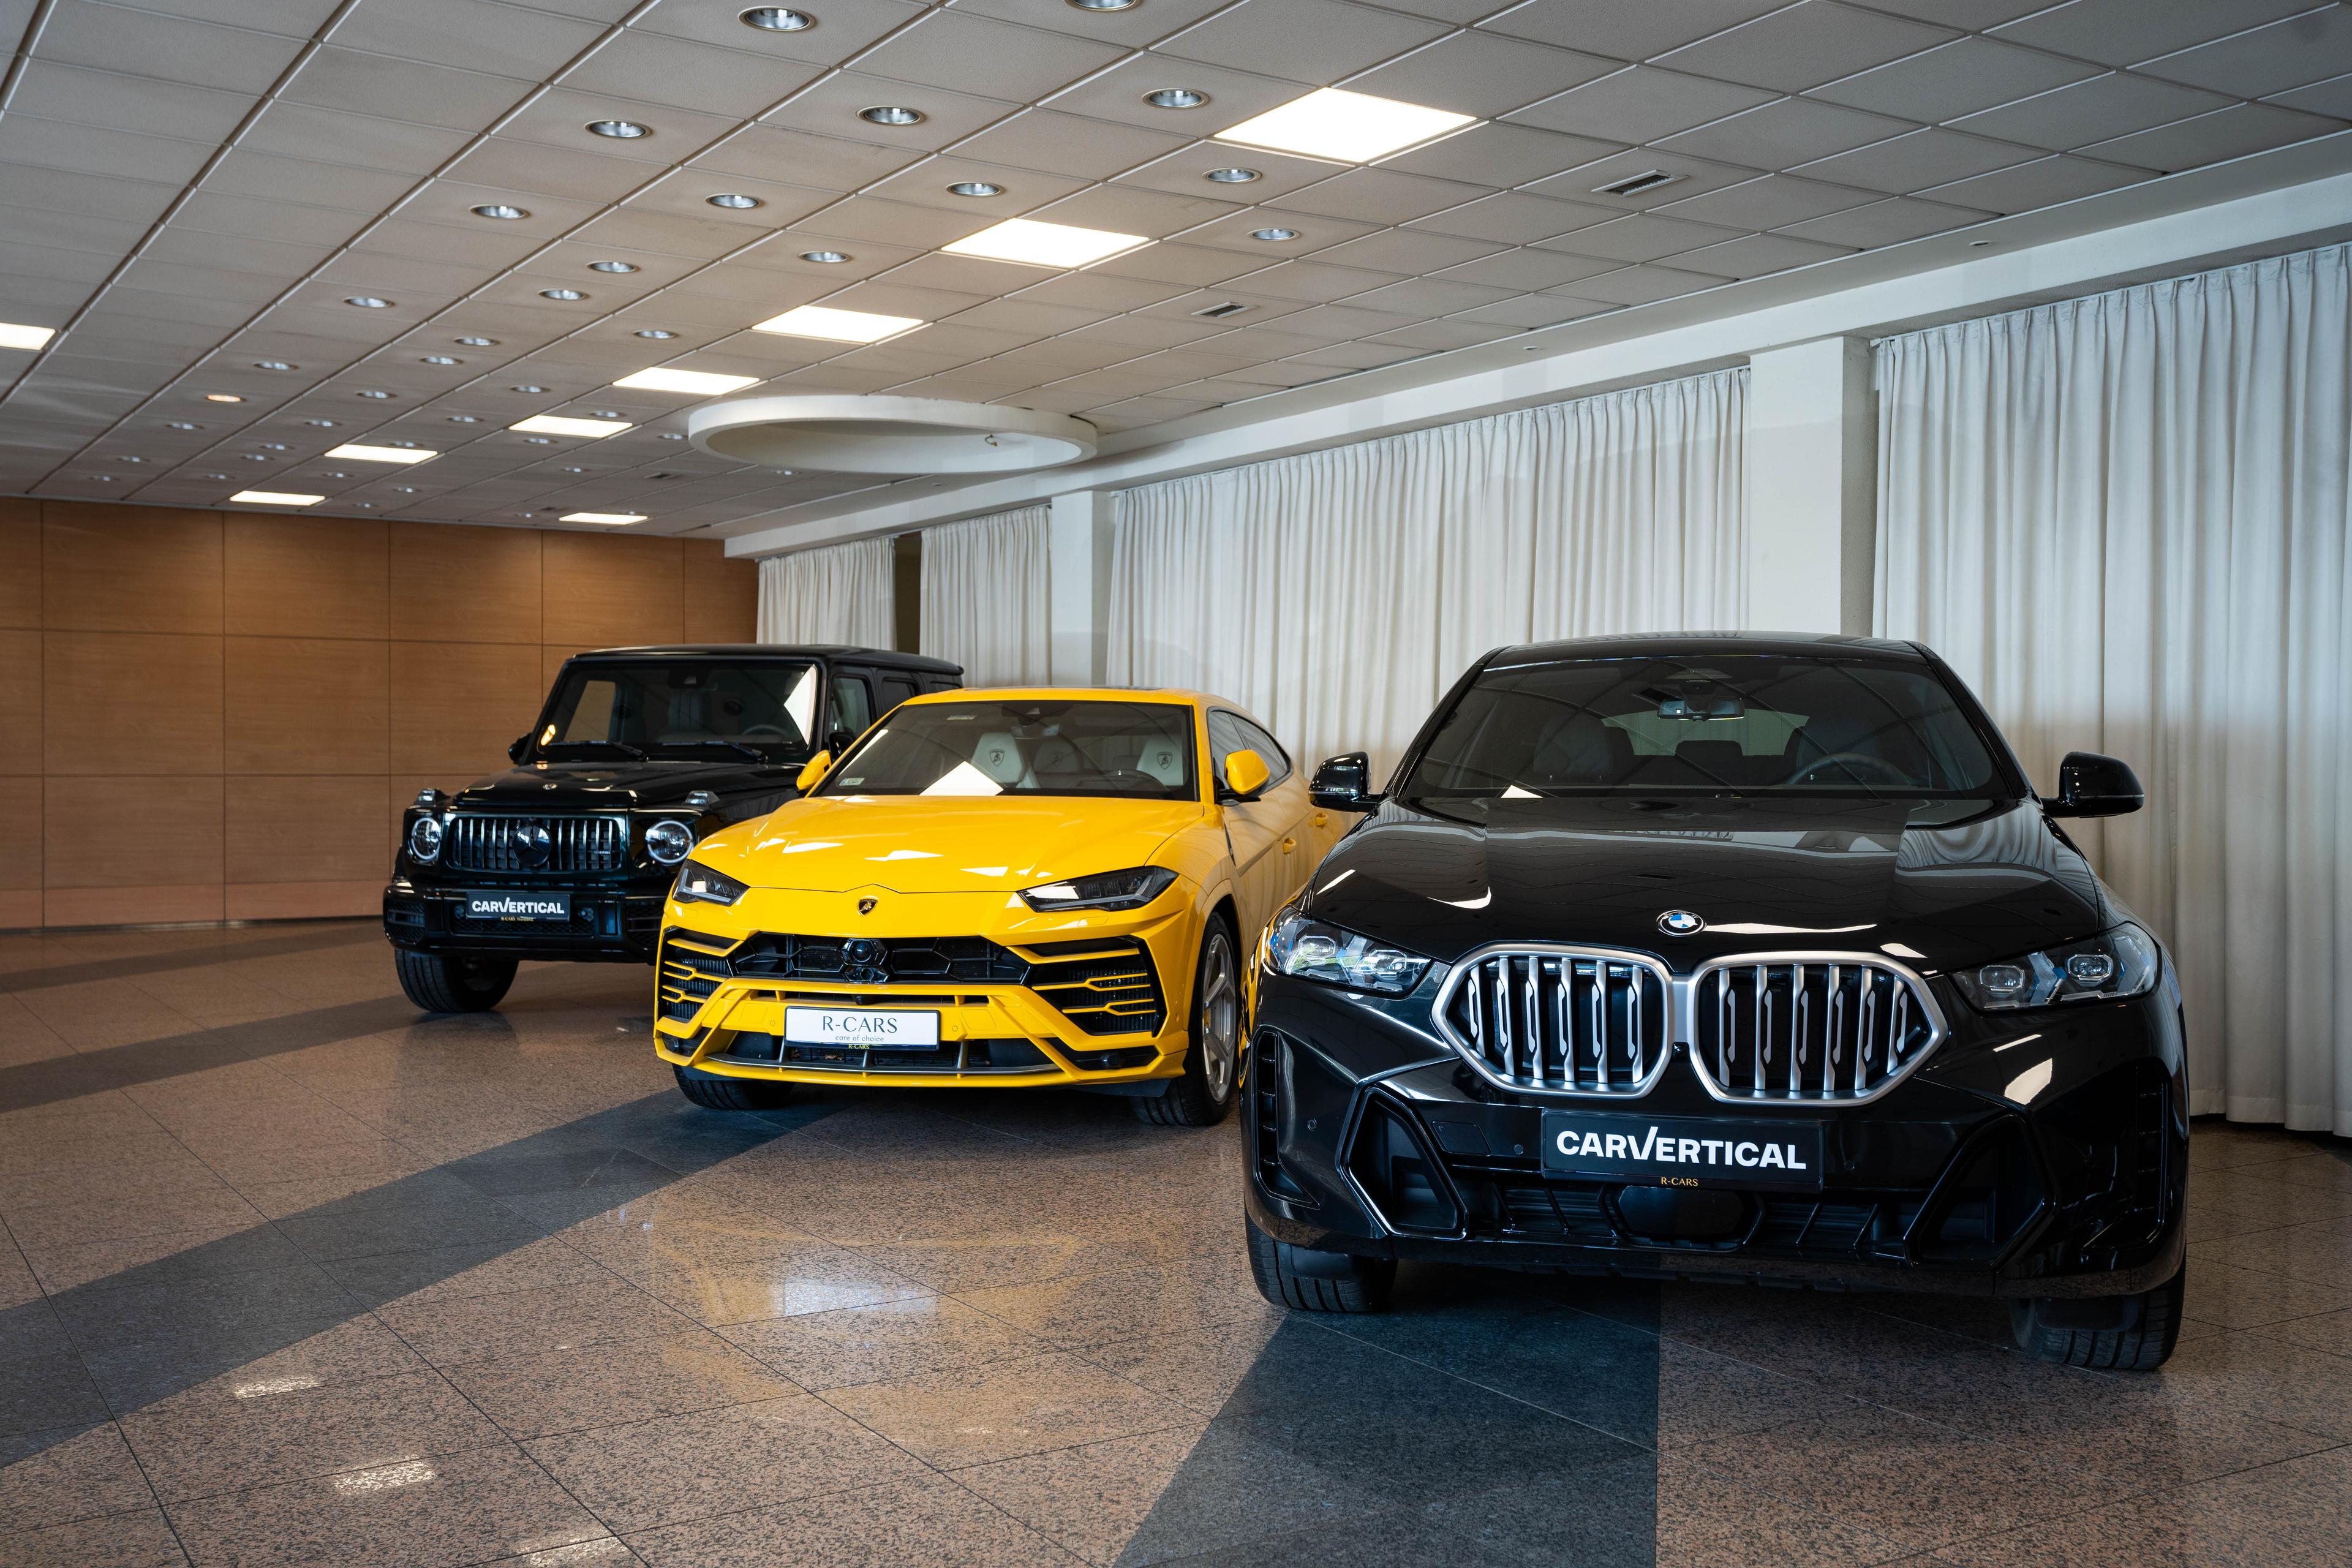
[
  {"x": 453, "y": 985},
  {"x": 1204, "y": 1093},
  {"x": 1313, "y": 1281},
  {"x": 2129, "y": 1334},
  {"x": 712, "y": 1092}
]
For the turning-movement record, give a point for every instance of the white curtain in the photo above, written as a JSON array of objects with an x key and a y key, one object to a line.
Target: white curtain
[
  {"x": 1337, "y": 594},
  {"x": 841, "y": 593},
  {"x": 986, "y": 597},
  {"x": 2123, "y": 519}
]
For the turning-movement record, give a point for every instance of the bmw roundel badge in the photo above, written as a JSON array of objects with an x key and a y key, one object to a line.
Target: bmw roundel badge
[{"x": 1681, "y": 922}]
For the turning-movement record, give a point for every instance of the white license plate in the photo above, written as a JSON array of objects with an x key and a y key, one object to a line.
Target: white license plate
[{"x": 863, "y": 1027}]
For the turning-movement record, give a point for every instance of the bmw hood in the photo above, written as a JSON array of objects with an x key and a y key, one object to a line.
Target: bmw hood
[{"x": 1941, "y": 884}]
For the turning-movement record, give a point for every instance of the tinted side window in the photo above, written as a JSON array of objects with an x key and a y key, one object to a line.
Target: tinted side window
[
  {"x": 1230, "y": 733},
  {"x": 896, "y": 689},
  {"x": 852, "y": 708}
]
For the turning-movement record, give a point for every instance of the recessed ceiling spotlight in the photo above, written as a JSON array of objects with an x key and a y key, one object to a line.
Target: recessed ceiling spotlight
[
  {"x": 378, "y": 396},
  {"x": 671, "y": 435},
  {"x": 734, "y": 201},
  {"x": 1103, "y": 4},
  {"x": 368, "y": 302},
  {"x": 1044, "y": 244},
  {"x": 222, "y": 397},
  {"x": 465, "y": 419},
  {"x": 526, "y": 386},
  {"x": 540, "y": 440},
  {"x": 364, "y": 505},
  {"x": 779, "y": 19},
  {"x": 271, "y": 364},
  {"x": 561, "y": 294},
  {"x": 1232, "y": 176},
  {"x": 500, "y": 210},
  {"x": 891, "y": 114},
  {"x": 1353, "y": 127},
  {"x": 975, "y": 188},
  {"x": 129, "y": 460},
  {"x": 604, "y": 414},
  {"x": 274, "y": 446},
  {"x": 824, "y": 257},
  {"x": 439, "y": 359},
  {"x": 610, "y": 517},
  {"x": 400, "y": 443},
  {"x": 102, "y": 478},
  {"x": 1175, "y": 98},
  {"x": 557, "y": 425},
  {"x": 16, "y": 337},
  {"x": 612, "y": 266},
  {"x": 1274, "y": 235},
  {"x": 836, "y": 326},
  {"x": 181, "y": 424},
  {"x": 700, "y": 383},
  {"x": 274, "y": 498},
  {"x": 477, "y": 342},
  {"x": 405, "y": 490},
  {"x": 253, "y": 457},
  {"x": 320, "y": 424},
  {"x": 657, "y": 334},
  {"x": 619, "y": 130},
  {"x": 357, "y": 452},
  {"x": 569, "y": 469}
]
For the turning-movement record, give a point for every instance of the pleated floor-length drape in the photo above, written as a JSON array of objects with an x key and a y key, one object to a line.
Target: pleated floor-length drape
[
  {"x": 987, "y": 600},
  {"x": 839, "y": 594}
]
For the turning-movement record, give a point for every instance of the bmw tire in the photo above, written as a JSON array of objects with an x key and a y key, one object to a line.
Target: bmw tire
[
  {"x": 1311, "y": 1281},
  {"x": 2142, "y": 1341}
]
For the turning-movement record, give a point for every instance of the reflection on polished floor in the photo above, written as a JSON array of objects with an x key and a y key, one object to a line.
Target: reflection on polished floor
[{"x": 294, "y": 1276}]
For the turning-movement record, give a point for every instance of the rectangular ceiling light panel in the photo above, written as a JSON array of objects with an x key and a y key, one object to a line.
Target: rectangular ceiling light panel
[
  {"x": 1351, "y": 127},
  {"x": 274, "y": 498},
  {"x": 557, "y": 425},
  {"x": 1035, "y": 244},
  {"x": 360, "y": 453},
  {"x": 836, "y": 326},
  {"x": 612, "y": 517},
  {"x": 13, "y": 336},
  {"x": 700, "y": 383}
]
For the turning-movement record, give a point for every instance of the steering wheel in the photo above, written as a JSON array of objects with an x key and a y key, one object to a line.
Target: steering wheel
[{"x": 1860, "y": 765}]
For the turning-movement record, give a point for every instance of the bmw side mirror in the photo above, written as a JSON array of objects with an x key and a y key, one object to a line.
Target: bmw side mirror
[
  {"x": 519, "y": 748},
  {"x": 2093, "y": 785},
  {"x": 1344, "y": 784}
]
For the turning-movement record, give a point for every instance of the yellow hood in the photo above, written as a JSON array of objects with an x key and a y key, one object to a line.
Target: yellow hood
[{"x": 921, "y": 844}]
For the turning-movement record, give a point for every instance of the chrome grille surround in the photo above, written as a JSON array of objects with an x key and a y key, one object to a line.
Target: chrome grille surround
[
  {"x": 1603, "y": 1033},
  {"x": 1869, "y": 1021},
  {"x": 500, "y": 841},
  {"x": 1809, "y": 1028}
]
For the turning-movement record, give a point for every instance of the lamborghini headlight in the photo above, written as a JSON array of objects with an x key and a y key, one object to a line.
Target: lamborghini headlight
[
  {"x": 1336, "y": 956},
  {"x": 1129, "y": 890},
  {"x": 698, "y": 884},
  {"x": 2118, "y": 962}
]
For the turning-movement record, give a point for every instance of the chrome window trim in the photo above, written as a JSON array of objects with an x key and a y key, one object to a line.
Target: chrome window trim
[
  {"x": 1460, "y": 970},
  {"x": 1939, "y": 1027}
]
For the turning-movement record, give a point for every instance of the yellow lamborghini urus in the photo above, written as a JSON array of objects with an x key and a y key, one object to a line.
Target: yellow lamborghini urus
[{"x": 1048, "y": 888}]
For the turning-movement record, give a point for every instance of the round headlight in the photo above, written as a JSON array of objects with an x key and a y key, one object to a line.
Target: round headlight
[
  {"x": 424, "y": 838},
  {"x": 667, "y": 842}
]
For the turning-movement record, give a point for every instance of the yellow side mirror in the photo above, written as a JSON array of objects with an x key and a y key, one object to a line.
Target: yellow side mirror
[
  {"x": 1246, "y": 773},
  {"x": 813, "y": 773}
]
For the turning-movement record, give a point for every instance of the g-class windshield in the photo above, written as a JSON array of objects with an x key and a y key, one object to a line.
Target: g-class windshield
[
  {"x": 1758, "y": 724},
  {"x": 1137, "y": 750},
  {"x": 682, "y": 709}
]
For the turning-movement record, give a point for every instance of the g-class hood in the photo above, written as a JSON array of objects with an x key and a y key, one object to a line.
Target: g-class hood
[
  {"x": 616, "y": 786},
  {"x": 920, "y": 844},
  {"x": 1932, "y": 882}
]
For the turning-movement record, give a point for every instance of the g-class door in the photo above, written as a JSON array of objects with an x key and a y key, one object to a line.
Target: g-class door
[{"x": 1271, "y": 852}]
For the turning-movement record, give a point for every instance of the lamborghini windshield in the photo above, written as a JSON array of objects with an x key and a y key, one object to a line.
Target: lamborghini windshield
[
  {"x": 1135, "y": 750},
  {"x": 682, "y": 709},
  {"x": 1715, "y": 724}
]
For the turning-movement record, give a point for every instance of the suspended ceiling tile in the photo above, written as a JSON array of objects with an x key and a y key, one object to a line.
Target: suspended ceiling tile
[
  {"x": 1530, "y": 269},
  {"x": 962, "y": 275},
  {"x": 1643, "y": 236},
  {"x": 1528, "y": 311},
  {"x": 1409, "y": 253},
  {"x": 292, "y": 223},
  {"x": 1019, "y": 190},
  {"x": 1118, "y": 94},
  {"x": 1641, "y": 104},
  {"x": 1095, "y": 290},
  {"x": 1625, "y": 32},
  {"x": 651, "y": 229},
  {"x": 1171, "y": 263},
  {"x": 1383, "y": 196},
  {"x": 1316, "y": 41},
  {"x": 687, "y": 193},
  {"x": 2126, "y": 32},
  {"x": 47, "y": 261},
  {"x": 199, "y": 282},
  {"x": 561, "y": 117},
  {"x": 91, "y": 149},
  {"x": 1791, "y": 132},
  {"x": 830, "y": 108},
  {"x": 1808, "y": 44},
  {"x": 2286, "y": 54},
  {"x": 449, "y": 205},
  {"x": 1453, "y": 332},
  {"x": 673, "y": 73},
  {"x": 302, "y": 130},
  {"x": 1757, "y": 255},
  {"x": 1691, "y": 177},
  {"x": 54, "y": 190},
  {"x": 274, "y": 178},
  {"x": 1958, "y": 79},
  {"x": 1913, "y": 162},
  {"x": 2230, "y": 133},
  {"x": 542, "y": 171},
  {"x": 1132, "y": 209},
  {"x": 825, "y": 162},
  {"x": 173, "y": 48},
  {"x": 950, "y": 48},
  {"x": 504, "y": 40},
  {"x": 1185, "y": 172},
  {"x": 2094, "y": 111},
  {"x": 1501, "y": 155},
  {"x": 1311, "y": 232},
  {"x": 1771, "y": 202},
  {"x": 1067, "y": 144},
  {"x": 479, "y": 247},
  {"x": 1479, "y": 73},
  {"x": 1342, "y": 322},
  {"x": 1027, "y": 318},
  {"x": 842, "y": 32},
  {"x": 122, "y": 102},
  {"x": 401, "y": 90},
  {"x": 2041, "y": 185},
  {"x": 1974, "y": 14},
  {"x": 1514, "y": 218},
  {"x": 890, "y": 299},
  {"x": 1639, "y": 284},
  {"x": 1429, "y": 297},
  {"x": 72, "y": 231},
  {"x": 2333, "y": 97}
]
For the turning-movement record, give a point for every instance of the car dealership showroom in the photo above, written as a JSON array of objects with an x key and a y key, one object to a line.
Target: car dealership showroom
[{"x": 876, "y": 784}]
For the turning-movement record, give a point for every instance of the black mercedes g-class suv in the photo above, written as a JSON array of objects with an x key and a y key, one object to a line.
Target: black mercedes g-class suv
[{"x": 638, "y": 753}]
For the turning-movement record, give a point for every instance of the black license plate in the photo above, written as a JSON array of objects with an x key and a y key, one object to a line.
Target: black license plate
[
  {"x": 528, "y": 908},
  {"x": 1684, "y": 1150}
]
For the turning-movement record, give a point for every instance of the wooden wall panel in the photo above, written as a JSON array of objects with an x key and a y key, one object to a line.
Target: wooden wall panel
[
  {"x": 20, "y": 701},
  {"x": 20, "y": 562},
  {"x": 20, "y": 852},
  {"x": 124, "y": 851},
  {"x": 605, "y": 591},
  {"x": 306, "y": 829},
  {"x": 130, "y": 568},
  {"x": 306, "y": 705},
  {"x": 451, "y": 583},
  {"x": 456, "y": 706},
  {"x": 305, "y": 578},
  {"x": 722, "y": 596},
  {"x": 129, "y": 703}
]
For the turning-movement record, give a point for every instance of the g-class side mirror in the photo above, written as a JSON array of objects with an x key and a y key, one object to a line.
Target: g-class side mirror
[
  {"x": 1344, "y": 782},
  {"x": 518, "y": 749},
  {"x": 2093, "y": 785},
  {"x": 813, "y": 772},
  {"x": 840, "y": 741}
]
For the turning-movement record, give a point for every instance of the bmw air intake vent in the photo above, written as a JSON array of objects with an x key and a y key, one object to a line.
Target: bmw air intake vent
[
  {"x": 1808, "y": 1027},
  {"x": 1560, "y": 1019}
]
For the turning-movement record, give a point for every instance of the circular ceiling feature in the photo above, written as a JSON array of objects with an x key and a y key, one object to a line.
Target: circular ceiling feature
[
  {"x": 1232, "y": 176},
  {"x": 561, "y": 294},
  {"x": 975, "y": 188},
  {"x": 619, "y": 130},
  {"x": 378, "y": 396},
  {"x": 439, "y": 359},
  {"x": 824, "y": 257},
  {"x": 777, "y": 19},
  {"x": 882, "y": 435},
  {"x": 1274, "y": 235},
  {"x": 222, "y": 397},
  {"x": 1175, "y": 98},
  {"x": 500, "y": 210},
  {"x": 271, "y": 364},
  {"x": 891, "y": 114},
  {"x": 368, "y": 302},
  {"x": 181, "y": 424},
  {"x": 612, "y": 266},
  {"x": 657, "y": 334},
  {"x": 472, "y": 343},
  {"x": 1103, "y": 4},
  {"x": 733, "y": 201}
]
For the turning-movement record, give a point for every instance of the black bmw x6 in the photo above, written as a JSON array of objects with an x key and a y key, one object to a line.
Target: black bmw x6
[{"x": 1732, "y": 956}]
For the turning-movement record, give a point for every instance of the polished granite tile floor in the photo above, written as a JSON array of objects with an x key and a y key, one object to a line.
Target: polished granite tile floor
[{"x": 294, "y": 1275}]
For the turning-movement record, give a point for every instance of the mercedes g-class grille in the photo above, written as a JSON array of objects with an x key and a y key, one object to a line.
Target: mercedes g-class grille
[
  {"x": 494, "y": 842},
  {"x": 1827, "y": 1028},
  {"x": 1558, "y": 1019}
]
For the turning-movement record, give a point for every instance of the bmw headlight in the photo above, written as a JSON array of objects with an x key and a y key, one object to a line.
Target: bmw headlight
[
  {"x": 2118, "y": 962},
  {"x": 1336, "y": 956},
  {"x": 668, "y": 841},
  {"x": 698, "y": 884},
  {"x": 424, "y": 839},
  {"x": 1129, "y": 890}
]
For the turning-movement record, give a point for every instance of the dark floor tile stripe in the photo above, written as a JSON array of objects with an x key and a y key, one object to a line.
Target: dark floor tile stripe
[{"x": 343, "y": 934}]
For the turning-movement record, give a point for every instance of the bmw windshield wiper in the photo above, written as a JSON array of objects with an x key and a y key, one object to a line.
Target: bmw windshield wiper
[
  {"x": 621, "y": 746},
  {"x": 737, "y": 747}
]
